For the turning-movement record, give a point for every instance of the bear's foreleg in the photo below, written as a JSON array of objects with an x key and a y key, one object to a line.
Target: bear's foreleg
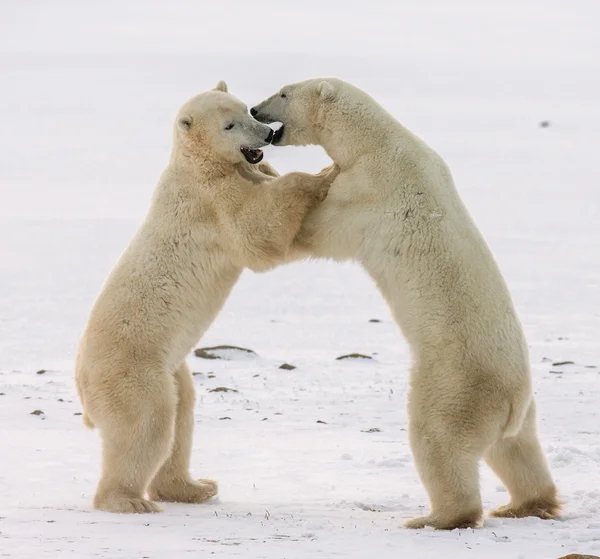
[{"x": 263, "y": 230}]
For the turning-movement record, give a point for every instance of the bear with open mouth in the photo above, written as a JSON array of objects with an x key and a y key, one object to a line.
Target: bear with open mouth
[{"x": 215, "y": 211}]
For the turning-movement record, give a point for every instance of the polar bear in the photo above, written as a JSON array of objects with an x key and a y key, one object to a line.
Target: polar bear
[
  {"x": 394, "y": 208},
  {"x": 212, "y": 215}
]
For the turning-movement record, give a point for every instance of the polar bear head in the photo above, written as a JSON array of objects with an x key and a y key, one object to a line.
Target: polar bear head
[
  {"x": 300, "y": 108},
  {"x": 216, "y": 124}
]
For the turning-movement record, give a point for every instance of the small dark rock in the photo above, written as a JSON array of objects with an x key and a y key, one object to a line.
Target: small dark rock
[
  {"x": 207, "y": 352},
  {"x": 78, "y": 413},
  {"x": 2, "y": 394},
  {"x": 37, "y": 412},
  {"x": 60, "y": 400},
  {"x": 323, "y": 422},
  {"x": 353, "y": 356},
  {"x": 287, "y": 367},
  {"x": 212, "y": 376},
  {"x": 265, "y": 419},
  {"x": 374, "y": 320},
  {"x": 223, "y": 418},
  {"x": 372, "y": 430},
  {"x": 41, "y": 372},
  {"x": 255, "y": 376},
  {"x": 561, "y": 363},
  {"x": 544, "y": 124},
  {"x": 222, "y": 389}
]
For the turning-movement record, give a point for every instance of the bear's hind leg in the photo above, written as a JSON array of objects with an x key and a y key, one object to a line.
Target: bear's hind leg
[
  {"x": 136, "y": 439},
  {"x": 173, "y": 482},
  {"x": 520, "y": 463},
  {"x": 451, "y": 476}
]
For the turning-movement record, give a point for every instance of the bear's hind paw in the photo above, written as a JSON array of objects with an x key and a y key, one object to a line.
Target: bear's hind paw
[
  {"x": 188, "y": 491},
  {"x": 546, "y": 509},
  {"x": 126, "y": 505},
  {"x": 467, "y": 520}
]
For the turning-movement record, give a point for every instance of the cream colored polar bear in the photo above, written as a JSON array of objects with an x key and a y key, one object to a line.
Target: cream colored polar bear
[
  {"x": 212, "y": 214},
  {"x": 394, "y": 208}
]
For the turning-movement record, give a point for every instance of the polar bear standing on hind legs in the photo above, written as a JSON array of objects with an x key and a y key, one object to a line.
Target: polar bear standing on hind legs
[
  {"x": 214, "y": 212},
  {"x": 395, "y": 209}
]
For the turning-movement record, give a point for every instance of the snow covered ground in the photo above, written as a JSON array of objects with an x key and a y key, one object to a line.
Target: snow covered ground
[{"x": 89, "y": 91}]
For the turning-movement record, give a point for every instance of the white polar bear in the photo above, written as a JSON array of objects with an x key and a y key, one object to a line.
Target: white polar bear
[
  {"x": 394, "y": 208},
  {"x": 212, "y": 214}
]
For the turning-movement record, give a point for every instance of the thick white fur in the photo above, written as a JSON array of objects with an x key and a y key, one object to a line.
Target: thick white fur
[
  {"x": 212, "y": 215},
  {"x": 394, "y": 208}
]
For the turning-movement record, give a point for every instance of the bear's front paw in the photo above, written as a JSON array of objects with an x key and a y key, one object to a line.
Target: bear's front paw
[
  {"x": 326, "y": 178},
  {"x": 321, "y": 191},
  {"x": 330, "y": 173},
  {"x": 266, "y": 169}
]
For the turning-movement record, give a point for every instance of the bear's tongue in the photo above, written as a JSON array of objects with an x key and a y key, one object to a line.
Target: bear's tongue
[{"x": 252, "y": 155}]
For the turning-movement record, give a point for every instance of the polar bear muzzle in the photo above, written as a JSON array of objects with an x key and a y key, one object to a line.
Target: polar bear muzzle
[
  {"x": 266, "y": 118},
  {"x": 278, "y": 135},
  {"x": 254, "y": 156}
]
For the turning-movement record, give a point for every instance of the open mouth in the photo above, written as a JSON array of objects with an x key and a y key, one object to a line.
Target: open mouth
[
  {"x": 252, "y": 155},
  {"x": 278, "y": 135}
]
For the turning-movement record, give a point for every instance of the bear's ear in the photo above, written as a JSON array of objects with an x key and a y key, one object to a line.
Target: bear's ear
[
  {"x": 185, "y": 123},
  {"x": 221, "y": 86},
  {"x": 325, "y": 90}
]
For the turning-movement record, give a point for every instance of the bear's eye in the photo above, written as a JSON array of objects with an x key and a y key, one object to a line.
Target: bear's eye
[
  {"x": 229, "y": 126},
  {"x": 283, "y": 96}
]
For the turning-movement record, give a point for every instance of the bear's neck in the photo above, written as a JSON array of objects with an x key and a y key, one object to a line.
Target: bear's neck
[
  {"x": 354, "y": 130},
  {"x": 200, "y": 166}
]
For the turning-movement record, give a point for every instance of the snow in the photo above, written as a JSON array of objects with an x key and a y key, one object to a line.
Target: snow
[{"x": 89, "y": 91}]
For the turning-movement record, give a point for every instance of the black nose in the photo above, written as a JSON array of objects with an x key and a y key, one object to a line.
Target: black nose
[
  {"x": 253, "y": 111},
  {"x": 269, "y": 138}
]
